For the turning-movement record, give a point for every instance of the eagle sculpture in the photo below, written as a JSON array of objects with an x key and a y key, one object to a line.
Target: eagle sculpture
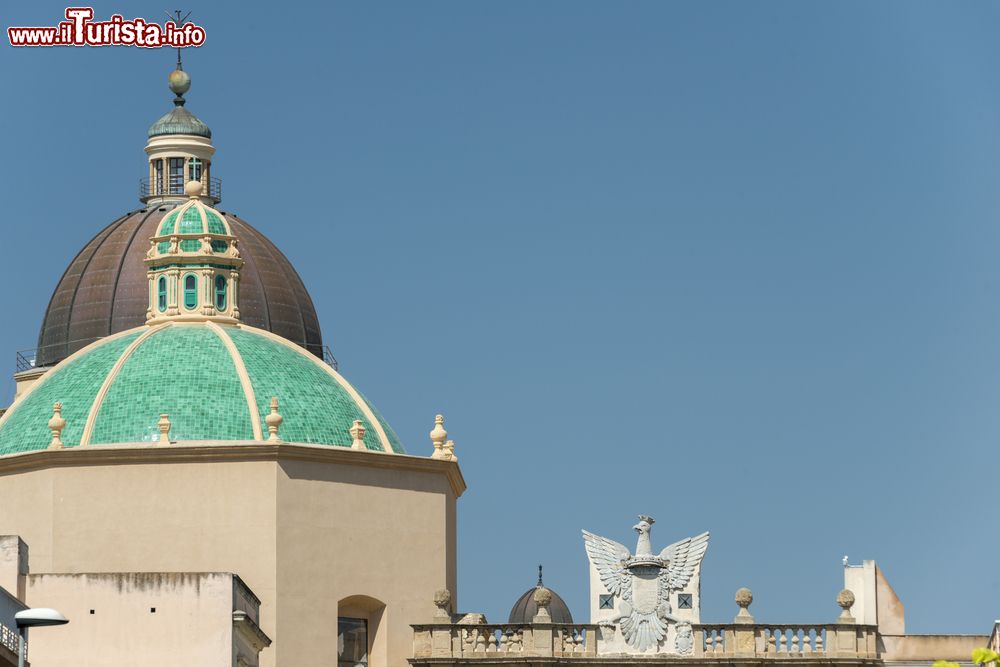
[{"x": 644, "y": 581}]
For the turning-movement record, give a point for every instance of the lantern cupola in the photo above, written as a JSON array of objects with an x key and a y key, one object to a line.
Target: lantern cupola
[
  {"x": 193, "y": 264},
  {"x": 180, "y": 150}
]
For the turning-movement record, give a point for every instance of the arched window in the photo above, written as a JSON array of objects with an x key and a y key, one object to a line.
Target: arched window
[
  {"x": 361, "y": 636},
  {"x": 161, "y": 294},
  {"x": 220, "y": 292},
  {"x": 190, "y": 291}
]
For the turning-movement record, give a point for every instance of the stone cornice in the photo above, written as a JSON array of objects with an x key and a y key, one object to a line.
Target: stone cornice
[{"x": 240, "y": 450}]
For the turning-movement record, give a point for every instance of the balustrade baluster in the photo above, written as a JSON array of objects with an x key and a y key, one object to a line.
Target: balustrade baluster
[
  {"x": 491, "y": 640},
  {"x": 782, "y": 641},
  {"x": 819, "y": 640},
  {"x": 771, "y": 648}
]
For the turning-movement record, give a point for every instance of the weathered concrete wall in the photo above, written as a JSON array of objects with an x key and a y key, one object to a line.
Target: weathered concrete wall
[
  {"x": 13, "y": 565},
  {"x": 154, "y": 620}
]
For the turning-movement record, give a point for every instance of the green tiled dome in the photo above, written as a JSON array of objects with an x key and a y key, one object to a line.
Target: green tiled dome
[
  {"x": 215, "y": 383},
  {"x": 193, "y": 217}
]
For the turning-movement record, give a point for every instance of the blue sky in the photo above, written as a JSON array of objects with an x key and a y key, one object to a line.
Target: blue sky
[{"x": 734, "y": 265}]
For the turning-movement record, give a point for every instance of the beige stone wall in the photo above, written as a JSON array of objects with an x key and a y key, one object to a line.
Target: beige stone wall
[
  {"x": 928, "y": 648},
  {"x": 346, "y": 533},
  {"x": 304, "y": 527},
  {"x": 192, "y": 623}
]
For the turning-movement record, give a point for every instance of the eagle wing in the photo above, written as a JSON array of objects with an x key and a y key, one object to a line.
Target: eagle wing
[
  {"x": 684, "y": 557},
  {"x": 607, "y": 556}
]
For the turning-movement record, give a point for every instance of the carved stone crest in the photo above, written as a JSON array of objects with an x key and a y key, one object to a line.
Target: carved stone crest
[{"x": 642, "y": 584}]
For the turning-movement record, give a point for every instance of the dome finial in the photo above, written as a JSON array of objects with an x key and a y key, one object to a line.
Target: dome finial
[
  {"x": 179, "y": 81},
  {"x": 193, "y": 189},
  {"x": 540, "y": 575}
]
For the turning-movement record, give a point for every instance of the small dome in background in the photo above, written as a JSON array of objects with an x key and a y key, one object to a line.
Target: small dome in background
[{"x": 525, "y": 608}]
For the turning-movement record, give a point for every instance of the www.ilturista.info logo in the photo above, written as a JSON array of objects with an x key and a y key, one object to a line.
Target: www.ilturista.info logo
[{"x": 80, "y": 30}]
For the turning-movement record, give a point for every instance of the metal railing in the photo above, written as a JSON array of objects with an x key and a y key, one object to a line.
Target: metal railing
[
  {"x": 25, "y": 360},
  {"x": 329, "y": 359},
  {"x": 159, "y": 190}
]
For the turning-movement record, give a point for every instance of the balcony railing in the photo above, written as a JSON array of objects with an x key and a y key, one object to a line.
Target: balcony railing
[
  {"x": 174, "y": 189},
  {"x": 330, "y": 360}
]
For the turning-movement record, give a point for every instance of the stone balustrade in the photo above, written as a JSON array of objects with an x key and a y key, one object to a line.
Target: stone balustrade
[
  {"x": 836, "y": 640},
  {"x": 485, "y": 640},
  {"x": 452, "y": 639},
  {"x": 556, "y": 640}
]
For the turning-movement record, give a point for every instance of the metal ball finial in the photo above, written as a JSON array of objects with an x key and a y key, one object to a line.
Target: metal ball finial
[{"x": 179, "y": 83}]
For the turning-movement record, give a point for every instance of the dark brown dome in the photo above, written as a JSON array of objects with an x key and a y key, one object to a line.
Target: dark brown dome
[
  {"x": 105, "y": 290},
  {"x": 525, "y": 608}
]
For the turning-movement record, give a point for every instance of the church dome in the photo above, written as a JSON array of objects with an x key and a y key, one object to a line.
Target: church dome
[
  {"x": 215, "y": 382},
  {"x": 525, "y": 608},
  {"x": 104, "y": 290}
]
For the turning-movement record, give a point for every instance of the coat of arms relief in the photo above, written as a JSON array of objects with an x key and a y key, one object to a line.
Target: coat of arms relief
[{"x": 646, "y": 602}]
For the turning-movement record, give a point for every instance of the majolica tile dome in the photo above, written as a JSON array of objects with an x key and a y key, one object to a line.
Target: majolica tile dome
[
  {"x": 181, "y": 323},
  {"x": 103, "y": 290},
  {"x": 215, "y": 382}
]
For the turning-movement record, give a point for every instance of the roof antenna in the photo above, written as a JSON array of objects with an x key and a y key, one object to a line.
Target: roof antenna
[
  {"x": 539, "y": 575},
  {"x": 178, "y": 21}
]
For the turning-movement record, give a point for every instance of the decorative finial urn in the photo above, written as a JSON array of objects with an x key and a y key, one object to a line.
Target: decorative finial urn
[
  {"x": 543, "y": 598},
  {"x": 357, "y": 432},
  {"x": 438, "y": 437},
  {"x": 442, "y": 600},
  {"x": 845, "y": 599},
  {"x": 273, "y": 421},
  {"x": 56, "y": 426},
  {"x": 163, "y": 426},
  {"x": 744, "y": 598}
]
